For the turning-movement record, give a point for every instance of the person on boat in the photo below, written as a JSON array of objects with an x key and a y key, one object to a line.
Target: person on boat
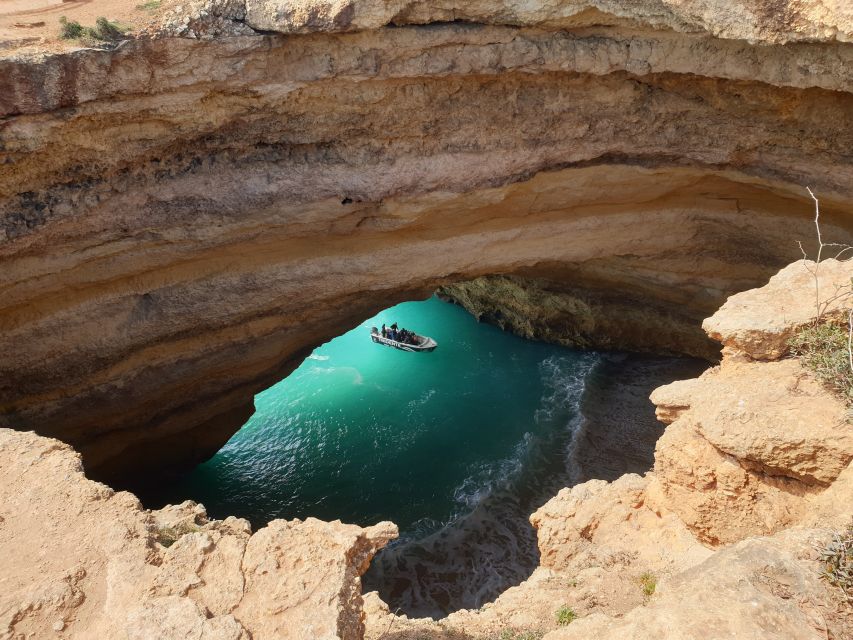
[{"x": 384, "y": 331}]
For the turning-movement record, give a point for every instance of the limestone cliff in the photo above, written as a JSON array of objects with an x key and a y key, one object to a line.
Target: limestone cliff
[
  {"x": 751, "y": 476},
  {"x": 185, "y": 215},
  {"x": 82, "y": 561}
]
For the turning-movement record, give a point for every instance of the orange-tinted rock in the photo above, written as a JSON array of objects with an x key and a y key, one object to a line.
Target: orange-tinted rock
[
  {"x": 90, "y": 562},
  {"x": 761, "y": 321},
  {"x": 183, "y": 218}
]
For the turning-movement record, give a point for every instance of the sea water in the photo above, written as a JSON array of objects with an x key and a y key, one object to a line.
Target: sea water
[{"x": 457, "y": 447}]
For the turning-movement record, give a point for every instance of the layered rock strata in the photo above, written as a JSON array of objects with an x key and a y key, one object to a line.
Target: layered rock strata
[{"x": 186, "y": 215}]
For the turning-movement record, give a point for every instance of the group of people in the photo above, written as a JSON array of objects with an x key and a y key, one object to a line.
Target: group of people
[{"x": 400, "y": 335}]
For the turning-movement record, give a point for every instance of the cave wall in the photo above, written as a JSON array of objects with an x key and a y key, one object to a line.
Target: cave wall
[
  {"x": 563, "y": 307},
  {"x": 183, "y": 220}
]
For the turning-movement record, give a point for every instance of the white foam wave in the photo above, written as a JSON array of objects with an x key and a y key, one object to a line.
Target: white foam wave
[
  {"x": 422, "y": 399},
  {"x": 564, "y": 380},
  {"x": 315, "y": 356},
  {"x": 485, "y": 479},
  {"x": 488, "y": 544}
]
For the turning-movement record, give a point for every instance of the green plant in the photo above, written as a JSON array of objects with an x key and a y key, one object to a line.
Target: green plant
[
  {"x": 823, "y": 348},
  {"x": 167, "y": 536},
  {"x": 565, "y": 615},
  {"x": 69, "y": 30},
  {"x": 648, "y": 582},
  {"x": 103, "y": 30},
  {"x": 837, "y": 559},
  {"x": 151, "y": 5},
  {"x": 106, "y": 30}
]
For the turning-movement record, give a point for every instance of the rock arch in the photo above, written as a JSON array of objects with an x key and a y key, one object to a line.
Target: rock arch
[{"x": 185, "y": 219}]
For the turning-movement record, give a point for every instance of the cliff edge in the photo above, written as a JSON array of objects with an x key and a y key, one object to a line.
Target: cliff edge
[
  {"x": 83, "y": 561},
  {"x": 721, "y": 539}
]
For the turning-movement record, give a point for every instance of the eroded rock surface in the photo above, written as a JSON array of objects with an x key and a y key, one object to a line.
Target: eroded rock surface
[
  {"x": 758, "y": 588},
  {"x": 750, "y": 441},
  {"x": 183, "y": 217},
  {"x": 721, "y": 538},
  {"x": 82, "y": 561},
  {"x": 679, "y": 553},
  {"x": 796, "y": 429},
  {"x": 760, "y": 322},
  {"x": 738, "y": 20}
]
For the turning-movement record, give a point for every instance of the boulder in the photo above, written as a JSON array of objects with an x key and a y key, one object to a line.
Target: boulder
[
  {"x": 761, "y": 321},
  {"x": 774, "y": 418}
]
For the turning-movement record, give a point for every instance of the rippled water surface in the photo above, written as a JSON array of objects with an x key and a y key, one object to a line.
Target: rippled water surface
[{"x": 455, "y": 446}]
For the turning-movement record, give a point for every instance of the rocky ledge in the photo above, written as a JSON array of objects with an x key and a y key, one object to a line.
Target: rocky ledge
[
  {"x": 720, "y": 540},
  {"x": 82, "y": 561}
]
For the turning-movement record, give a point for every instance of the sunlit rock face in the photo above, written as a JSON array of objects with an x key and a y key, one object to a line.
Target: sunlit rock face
[
  {"x": 84, "y": 561},
  {"x": 183, "y": 218}
]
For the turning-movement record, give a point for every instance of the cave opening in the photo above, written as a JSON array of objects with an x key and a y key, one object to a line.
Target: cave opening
[{"x": 457, "y": 447}]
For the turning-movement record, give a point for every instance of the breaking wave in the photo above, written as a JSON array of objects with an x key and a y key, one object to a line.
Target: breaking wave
[{"x": 487, "y": 544}]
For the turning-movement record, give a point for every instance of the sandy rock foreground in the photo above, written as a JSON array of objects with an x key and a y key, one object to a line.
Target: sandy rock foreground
[
  {"x": 756, "y": 464},
  {"x": 82, "y": 561}
]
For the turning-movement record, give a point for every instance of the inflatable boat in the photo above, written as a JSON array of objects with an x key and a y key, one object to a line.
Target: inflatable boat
[{"x": 422, "y": 343}]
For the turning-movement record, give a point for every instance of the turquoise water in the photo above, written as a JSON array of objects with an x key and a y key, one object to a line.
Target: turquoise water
[{"x": 456, "y": 446}]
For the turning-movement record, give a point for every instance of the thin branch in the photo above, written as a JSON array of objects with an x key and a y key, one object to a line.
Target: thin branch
[
  {"x": 816, "y": 222},
  {"x": 391, "y": 624},
  {"x": 820, "y": 307},
  {"x": 819, "y": 251}
]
